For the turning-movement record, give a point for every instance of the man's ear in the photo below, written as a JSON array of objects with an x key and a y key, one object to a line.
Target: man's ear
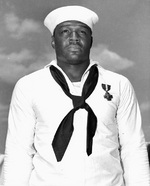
[{"x": 53, "y": 42}]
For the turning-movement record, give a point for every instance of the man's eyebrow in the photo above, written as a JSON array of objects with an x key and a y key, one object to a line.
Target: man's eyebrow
[
  {"x": 60, "y": 26},
  {"x": 68, "y": 24}
]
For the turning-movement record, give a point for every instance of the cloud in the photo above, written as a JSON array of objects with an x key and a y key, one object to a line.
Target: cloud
[
  {"x": 145, "y": 106},
  {"x": 23, "y": 55},
  {"x": 15, "y": 65},
  {"x": 18, "y": 28},
  {"x": 110, "y": 60}
]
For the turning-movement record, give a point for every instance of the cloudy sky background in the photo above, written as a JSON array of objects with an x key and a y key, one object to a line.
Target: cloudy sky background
[{"x": 121, "y": 44}]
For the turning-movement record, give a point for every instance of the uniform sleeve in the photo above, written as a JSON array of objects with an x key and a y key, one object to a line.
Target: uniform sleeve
[
  {"x": 19, "y": 142},
  {"x": 134, "y": 155}
]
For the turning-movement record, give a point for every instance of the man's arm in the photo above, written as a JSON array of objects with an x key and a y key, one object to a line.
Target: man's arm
[
  {"x": 133, "y": 148},
  {"x": 19, "y": 143}
]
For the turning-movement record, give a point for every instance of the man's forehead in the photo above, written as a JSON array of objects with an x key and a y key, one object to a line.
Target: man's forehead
[{"x": 72, "y": 23}]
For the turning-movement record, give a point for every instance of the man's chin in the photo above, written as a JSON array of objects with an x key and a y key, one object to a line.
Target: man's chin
[{"x": 74, "y": 57}]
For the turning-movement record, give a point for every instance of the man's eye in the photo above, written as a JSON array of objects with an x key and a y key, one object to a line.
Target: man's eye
[
  {"x": 83, "y": 32},
  {"x": 65, "y": 31}
]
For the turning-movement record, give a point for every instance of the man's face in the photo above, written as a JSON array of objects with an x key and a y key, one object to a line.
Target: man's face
[{"x": 72, "y": 41}]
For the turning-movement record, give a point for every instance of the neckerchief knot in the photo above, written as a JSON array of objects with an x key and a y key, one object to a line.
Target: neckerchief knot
[{"x": 78, "y": 101}]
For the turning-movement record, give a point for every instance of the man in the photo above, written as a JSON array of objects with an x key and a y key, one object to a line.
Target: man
[{"x": 73, "y": 122}]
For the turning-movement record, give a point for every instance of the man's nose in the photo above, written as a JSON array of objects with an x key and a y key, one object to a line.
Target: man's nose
[{"x": 74, "y": 37}]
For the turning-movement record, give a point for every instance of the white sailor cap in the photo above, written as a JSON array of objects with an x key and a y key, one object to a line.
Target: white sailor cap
[{"x": 70, "y": 13}]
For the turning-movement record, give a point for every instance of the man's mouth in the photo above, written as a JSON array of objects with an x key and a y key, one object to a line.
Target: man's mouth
[{"x": 74, "y": 47}]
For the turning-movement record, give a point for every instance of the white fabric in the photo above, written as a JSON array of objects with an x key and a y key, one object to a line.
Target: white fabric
[
  {"x": 68, "y": 13},
  {"x": 38, "y": 105}
]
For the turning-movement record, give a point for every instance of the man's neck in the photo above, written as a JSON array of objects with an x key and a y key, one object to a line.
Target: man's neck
[{"x": 74, "y": 72}]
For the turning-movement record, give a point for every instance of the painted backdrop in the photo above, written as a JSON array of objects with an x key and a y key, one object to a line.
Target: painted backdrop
[{"x": 121, "y": 44}]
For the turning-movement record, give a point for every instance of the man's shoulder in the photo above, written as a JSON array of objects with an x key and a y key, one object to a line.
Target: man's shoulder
[
  {"x": 111, "y": 76},
  {"x": 34, "y": 79},
  {"x": 36, "y": 75}
]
